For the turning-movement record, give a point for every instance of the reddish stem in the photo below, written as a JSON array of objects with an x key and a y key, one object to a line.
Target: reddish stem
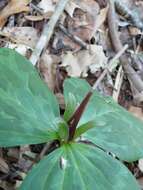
[{"x": 73, "y": 121}]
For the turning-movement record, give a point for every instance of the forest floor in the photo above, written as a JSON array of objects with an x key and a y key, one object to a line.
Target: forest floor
[{"x": 86, "y": 39}]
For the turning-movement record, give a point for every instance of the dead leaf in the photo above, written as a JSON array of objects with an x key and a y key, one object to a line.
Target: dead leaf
[
  {"x": 71, "y": 64},
  {"x": 22, "y": 35},
  {"x": 138, "y": 97},
  {"x": 39, "y": 17},
  {"x": 140, "y": 164},
  {"x": 60, "y": 99},
  {"x": 13, "y": 154},
  {"x": 140, "y": 181},
  {"x": 46, "y": 6},
  {"x": 101, "y": 18},
  {"x": 80, "y": 23},
  {"x": 13, "y": 7},
  {"x": 3, "y": 166},
  {"x": 34, "y": 18},
  {"x": 134, "y": 31},
  {"x": 84, "y": 20},
  {"x": 48, "y": 66},
  {"x": 136, "y": 111},
  {"x": 77, "y": 64},
  {"x": 3, "y": 3},
  {"x": 20, "y": 48},
  {"x": 70, "y": 8}
]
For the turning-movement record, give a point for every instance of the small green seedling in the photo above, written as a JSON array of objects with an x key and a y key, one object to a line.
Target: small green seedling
[{"x": 91, "y": 126}]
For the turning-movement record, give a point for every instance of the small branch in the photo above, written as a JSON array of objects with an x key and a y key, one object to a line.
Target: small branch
[
  {"x": 129, "y": 14},
  {"x": 73, "y": 37},
  {"x": 43, "y": 152},
  {"x": 110, "y": 65},
  {"x": 112, "y": 23},
  {"x": 47, "y": 32},
  {"x": 118, "y": 83},
  {"x": 36, "y": 8},
  {"x": 41, "y": 155}
]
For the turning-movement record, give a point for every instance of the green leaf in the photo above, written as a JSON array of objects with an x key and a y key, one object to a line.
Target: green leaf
[
  {"x": 27, "y": 107},
  {"x": 70, "y": 106},
  {"x": 63, "y": 130},
  {"x": 83, "y": 128},
  {"x": 116, "y": 130},
  {"x": 79, "y": 167}
]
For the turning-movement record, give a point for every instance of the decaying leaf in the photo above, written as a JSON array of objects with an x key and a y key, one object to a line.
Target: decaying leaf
[
  {"x": 48, "y": 69},
  {"x": 39, "y": 17},
  {"x": 80, "y": 22},
  {"x": 101, "y": 18},
  {"x": 136, "y": 111},
  {"x": 140, "y": 164},
  {"x": 79, "y": 63},
  {"x": 60, "y": 99},
  {"x": 3, "y": 166},
  {"x": 13, "y": 7},
  {"x": 134, "y": 31},
  {"x": 70, "y": 8},
  {"x": 46, "y": 5},
  {"x": 22, "y": 35},
  {"x": 84, "y": 19},
  {"x": 20, "y": 48}
]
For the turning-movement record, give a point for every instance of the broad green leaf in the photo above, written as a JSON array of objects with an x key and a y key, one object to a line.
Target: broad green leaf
[
  {"x": 116, "y": 130},
  {"x": 27, "y": 107},
  {"x": 70, "y": 106},
  {"x": 79, "y": 167}
]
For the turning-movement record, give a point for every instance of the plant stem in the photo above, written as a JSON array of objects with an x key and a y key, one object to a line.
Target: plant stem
[
  {"x": 106, "y": 70},
  {"x": 73, "y": 121}
]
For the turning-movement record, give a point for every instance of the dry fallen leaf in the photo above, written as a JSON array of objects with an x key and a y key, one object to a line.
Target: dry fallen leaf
[
  {"x": 39, "y": 17},
  {"x": 3, "y": 166},
  {"x": 136, "y": 111},
  {"x": 140, "y": 181},
  {"x": 79, "y": 63},
  {"x": 13, "y": 7},
  {"x": 20, "y": 48},
  {"x": 22, "y": 35},
  {"x": 71, "y": 64},
  {"x": 60, "y": 98},
  {"x": 80, "y": 22},
  {"x": 48, "y": 69},
  {"x": 134, "y": 31},
  {"x": 70, "y": 8},
  {"x": 46, "y": 6},
  {"x": 101, "y": 18},
  {"x": 84, "y": 20},
  {"x": 140, "y": 165}
]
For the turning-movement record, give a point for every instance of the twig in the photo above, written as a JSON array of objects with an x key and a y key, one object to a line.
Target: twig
[
  {"x": 110, "y": 65},
  {"x": 73, "y": 37},
  {"x": 47, "y": 32},
  {"x": 118, "y": 83},
  {"x": 43, "y": 152},
  {"x": 131, "y": 15},
  {"x": 112, "y": 23},
  {"x": 40, "y": 156},
  {"x": 139, "y": 44},
  {"x": 36, "y": 8}
]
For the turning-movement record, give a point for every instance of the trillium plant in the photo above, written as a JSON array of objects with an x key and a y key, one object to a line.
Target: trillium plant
[{"x": 91, "y": 127}]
